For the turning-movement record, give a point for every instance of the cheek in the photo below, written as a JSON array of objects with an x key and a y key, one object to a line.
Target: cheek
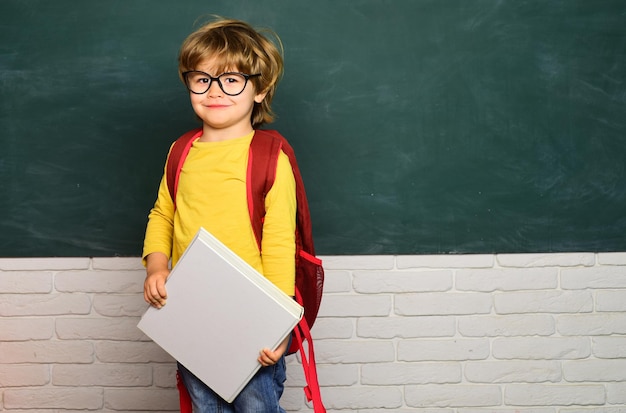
[{"x": 196, "y": 100}]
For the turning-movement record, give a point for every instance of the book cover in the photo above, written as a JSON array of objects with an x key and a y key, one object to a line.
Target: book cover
[{"x": 220, "y": 313}]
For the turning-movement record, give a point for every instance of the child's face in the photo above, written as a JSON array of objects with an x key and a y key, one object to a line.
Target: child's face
[{"x": 231, "y": 115}]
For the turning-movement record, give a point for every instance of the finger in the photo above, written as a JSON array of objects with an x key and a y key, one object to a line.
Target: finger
[
  {"x": 162, "y": 292},
  {"x": 154, "y": 299},
  {"x": 268, "y": 357},
  {"x": 263, "y": 359},
  {"x": 154, "y": 303},
  {"x": 147, "y": 295},
  {"x": 157, "y": 303},
  {"x": 155, "y": 294},
  {"x": 266, "y": 362}
]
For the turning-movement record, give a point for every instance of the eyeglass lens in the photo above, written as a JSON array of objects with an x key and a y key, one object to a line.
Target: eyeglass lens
[{"x": 230, "y": 83}]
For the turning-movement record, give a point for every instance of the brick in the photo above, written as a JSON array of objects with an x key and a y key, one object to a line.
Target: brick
[
  {"x": 42, "y": 411},
  {"x": 336, "y": 374},
  {"x": 99, "y": 329},
  {"x": 609, "y": 347},
  {"x": 43, "y": 304},
  {"x": 107, "y": 375},
  {"x": 611, "y": 301},
  {"x": 117, "y": 263},
  {"x": 405, "y": 327},
  {"x": 515, "y": 410},
  {"x": 141, "y": 399},
  {"x": 437, "y": 410},
  {"x": 513, "y": 371},
  {"x": 26, "y": 328},
  {"x": 591, "y": 324},
  {"x": 337, "y": 282},
  {"x": 553, "y": 395},
  {"x": 25, "y": 282},
  {"x": 46, "y": 352},
  {"x": 100, "y": 281},
  {"x": 43, "y": 264},
  {"x": 544, "y": 302},
  {"x": 53, "y": 398},
  {"x": 452, "y": 395},
  {"x": 612, "y": 258},
  {"x": 541, "y": 348},
  {"x": 328, "y": 375},
  {"x": 325, "y": 328},
  {"x": 488, "y": 280},
  {"x": 443, "y": 350},
  {"x": 594, "y": 370},
  {"x": 445, "y": 261},
  {"x": 547, "y": 260},
  {"x": 355, "y": 305},
  {"x": 295, "y": 373},
  {"x": 616, "y": 393},
  {"x": 595, "y": 277},
  {"x": 164, "y": 375},
  {"x": 397, "y": 374},
  {"x": 602, "y": 409},
  {"x": 117, "y": 305},
  {"x": 442, "y": 304},
  {"x": 131, "y": 352},
  {"x": 506, "y": 325},
  {"x": 292, "y": 400},
  {"x": 370, "y": 351},
  {"x": 362, "y": 397},
  {"x": 24, "y": 375},
  {"x": 376, "y": 282},
  {"x": 358, "y": 262}
]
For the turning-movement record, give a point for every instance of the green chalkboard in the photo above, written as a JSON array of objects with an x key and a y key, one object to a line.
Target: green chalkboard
[{"x": 422, "y": 126}]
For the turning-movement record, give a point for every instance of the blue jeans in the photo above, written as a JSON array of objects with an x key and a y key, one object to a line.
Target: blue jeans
[{"x": 261, "y": 394}]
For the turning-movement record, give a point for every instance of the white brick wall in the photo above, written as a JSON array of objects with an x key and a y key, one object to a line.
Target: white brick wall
[{"x": 541, "y": 333}]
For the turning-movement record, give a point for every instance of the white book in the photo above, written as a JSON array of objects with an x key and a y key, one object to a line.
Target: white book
[{"x": 220, "y": 313}]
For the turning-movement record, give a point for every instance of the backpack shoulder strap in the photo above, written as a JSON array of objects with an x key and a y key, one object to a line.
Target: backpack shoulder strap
[
  {"x": 261, "y": 173},
  {"x": 305, "y": 236},
  {"x": 305, "y": 232},
  {"x": 176, "y": 158}
]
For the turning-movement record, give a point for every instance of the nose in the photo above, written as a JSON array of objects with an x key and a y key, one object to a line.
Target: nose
[{"x": 214, "y": 88}]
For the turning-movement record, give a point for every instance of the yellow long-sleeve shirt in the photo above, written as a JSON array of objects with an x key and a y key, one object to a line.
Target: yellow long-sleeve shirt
[{"x": 212, "y": 194}]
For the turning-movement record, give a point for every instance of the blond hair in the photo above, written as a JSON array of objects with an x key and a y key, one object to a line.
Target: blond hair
[{"x": 238, "y": 46}]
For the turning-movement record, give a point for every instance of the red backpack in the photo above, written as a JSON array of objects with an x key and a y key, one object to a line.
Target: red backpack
[{"x": 265, "y": 148}]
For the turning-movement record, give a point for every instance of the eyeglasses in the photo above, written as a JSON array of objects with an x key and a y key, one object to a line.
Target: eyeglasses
[{"x": 231, "y": 83}]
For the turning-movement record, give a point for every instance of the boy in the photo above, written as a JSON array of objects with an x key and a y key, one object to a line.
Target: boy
[{"x": 231, "y": 72}]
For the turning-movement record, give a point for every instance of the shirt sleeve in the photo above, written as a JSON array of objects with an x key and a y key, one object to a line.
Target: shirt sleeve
[
  {"x": 159, "y": 231},
  {"x": 279, "y": 228}
]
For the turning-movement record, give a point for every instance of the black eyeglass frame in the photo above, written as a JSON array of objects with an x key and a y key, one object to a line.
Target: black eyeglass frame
[{"x": 211, "y": 79}]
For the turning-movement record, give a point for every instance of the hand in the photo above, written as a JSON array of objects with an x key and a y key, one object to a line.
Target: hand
[
  {"x": 154, "y": 291},
  {"x": 269, "y": 357}
]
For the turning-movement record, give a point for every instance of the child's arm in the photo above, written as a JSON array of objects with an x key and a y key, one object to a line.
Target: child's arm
[
  {"x": 279, "y": 244},
  {"x": 160, "y": 226},
  {"x": 157, "y": 242},
  {"x": 157, "y": 270}
]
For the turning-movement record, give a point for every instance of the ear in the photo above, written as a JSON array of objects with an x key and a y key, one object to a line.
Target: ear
[{"x": 258, "y": 98}]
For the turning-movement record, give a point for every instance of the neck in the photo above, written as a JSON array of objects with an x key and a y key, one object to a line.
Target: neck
[{"x": 217, "y": 135}]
